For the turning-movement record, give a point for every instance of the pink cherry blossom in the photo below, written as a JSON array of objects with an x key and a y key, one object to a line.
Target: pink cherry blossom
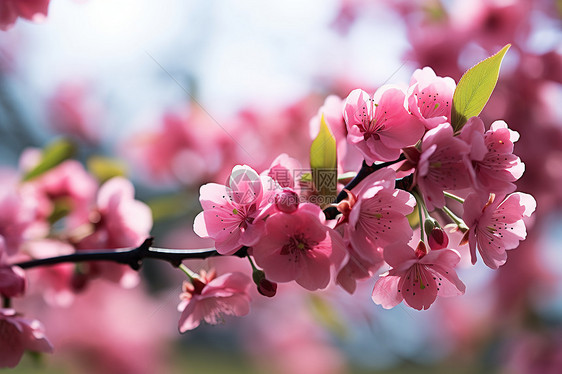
[
  {"x": 493, "y": 23},
  {"x": 17, "y": 335},
  {"x": 119, "y": 221},
  {"x": 12, "y": 278},
  {"x": 68, "y": 184},
  {"x": 430, "y": 98},
  {"x": 380, "y": 126},
  {"x": 208, "y": 298},
  {"x": 283, "y": 170},
  {"x": 19, "y": 211},
  {"x": 74, "y": 111},
  {"x": 496, "y": 225},
  {"x": 109, "y": 329},
  {"x": 230, "y": 213},
  {"x": 442, "y": 165},
  {"x": 357, "y": 268},
  {"x": 378, "y": 217},
  {"x": 494, "y": 166},
  {"x": 56, "y": 283},
  {"x": 10, "y": 10},
  {"x": 300, "y": 247},
  {"x": 417, "y": 277},
  {"x": 185, "y": 148}
]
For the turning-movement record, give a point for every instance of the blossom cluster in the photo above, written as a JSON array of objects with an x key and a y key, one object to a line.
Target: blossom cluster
[
  {"x": 59, "y": 211},
  {"x": 421, "y": 170}
]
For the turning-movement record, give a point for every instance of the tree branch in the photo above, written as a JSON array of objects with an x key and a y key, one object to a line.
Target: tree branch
[
  {"x": 364, "y": 172},
  {"x": 132, "y": 257}
]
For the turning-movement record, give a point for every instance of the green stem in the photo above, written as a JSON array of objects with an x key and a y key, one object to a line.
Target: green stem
[
  {"x": 190, "y": 274},
  {"x": 421, "y": 206},
  {"x": 454, "y": 197},
  {"x": 458, "y": 221},
  {"x": 6, "y": 303},
  {"x": 254, "y": 268}
]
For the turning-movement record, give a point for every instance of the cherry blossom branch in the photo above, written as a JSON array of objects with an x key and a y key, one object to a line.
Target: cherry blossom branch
[
  {"x": 366, "y": 170},
  {"x": 135, "y": 256},
  {"x": 132, "y": 257},
  {"x": 363, "y": 173}
]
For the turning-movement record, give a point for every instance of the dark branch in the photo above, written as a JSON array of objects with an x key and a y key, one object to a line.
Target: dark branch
[
  {"x": 132, "y": 257},
  {"x": 364, "y": 172}
]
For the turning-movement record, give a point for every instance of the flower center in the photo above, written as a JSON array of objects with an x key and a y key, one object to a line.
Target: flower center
[{"x": 296, "y": 245}]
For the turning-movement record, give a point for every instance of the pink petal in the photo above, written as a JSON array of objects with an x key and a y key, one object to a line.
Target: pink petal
[
  {"x": 385, "y": 292},
  {"x": 399, "y": 255},
  {"x": 418, "y": 293}
]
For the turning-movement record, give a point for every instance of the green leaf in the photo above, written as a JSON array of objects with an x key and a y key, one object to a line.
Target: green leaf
[
  {"x": 323, "y": 149},
  {"x": 474, "y": 89},
  {"x": 323, "y": 162},
  {"x": 105, "y": 168},
  {"x": 53, "y": 155}
]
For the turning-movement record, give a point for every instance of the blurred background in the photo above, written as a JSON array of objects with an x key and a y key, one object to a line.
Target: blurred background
[{"x": 173, "y": 93}]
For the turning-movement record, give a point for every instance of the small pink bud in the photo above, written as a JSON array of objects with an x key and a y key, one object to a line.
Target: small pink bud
[
  {"x": 437, "y": 238},
  {"x": 267, "y": 288},
  {"x": 287, "y": 201}
]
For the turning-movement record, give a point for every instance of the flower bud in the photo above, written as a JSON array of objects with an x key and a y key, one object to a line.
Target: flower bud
[
  {"x": 287, "y": 201},
  {"x": 437, "y": 238},
  {"x": 265, "y": 287}
]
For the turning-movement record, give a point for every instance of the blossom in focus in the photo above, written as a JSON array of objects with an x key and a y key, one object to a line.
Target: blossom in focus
[
  {"x": 33, "y": 10},
  {"x": 300, "y": 247},
  {"x": 441, "y": 166},
  {"x": 378, "y": 217},
  {"x": 209, "y": 298},
  {"x": 357, "y": 268},
  {"x": 18, "y": 335},
  {"x": 494, "y": 166},
  {"x": 230, "y": 213},
  {"x": 417, "y": 277},
  {"x": 283, "y": 170},
  {"x": 430, "y": 98},
  {"x": 496, "y": 225},
  {"x": 380, "y": 126}
]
